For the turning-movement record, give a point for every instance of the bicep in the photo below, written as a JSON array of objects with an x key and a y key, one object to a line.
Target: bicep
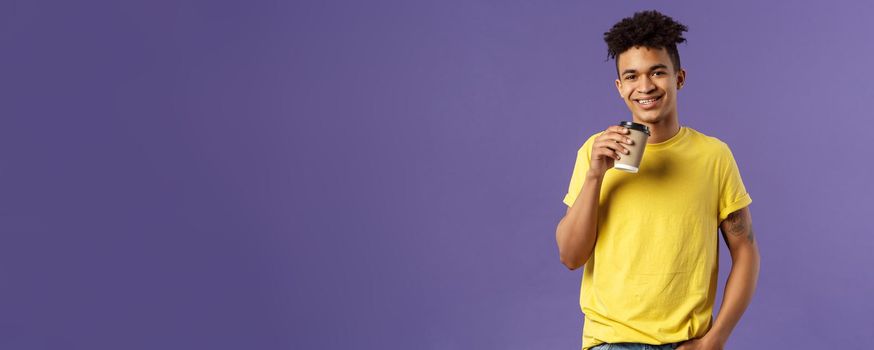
[{"x": 737, "y": 228}]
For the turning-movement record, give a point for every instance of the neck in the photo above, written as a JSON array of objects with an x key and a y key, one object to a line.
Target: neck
[{"x": 662, "y": 130}]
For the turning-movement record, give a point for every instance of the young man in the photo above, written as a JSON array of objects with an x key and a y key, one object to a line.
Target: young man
[{"x": 649, "y": 240}]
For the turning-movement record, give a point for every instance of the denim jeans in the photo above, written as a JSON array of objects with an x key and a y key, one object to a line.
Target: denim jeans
[{"x": 634, "y": 346}]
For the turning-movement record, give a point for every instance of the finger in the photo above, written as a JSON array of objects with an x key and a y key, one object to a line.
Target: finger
[
  {"x": 618, "y": 129},
  {"x": 615, "y": 152},
  {"x": 605, "y": 152},
  {"x": 616, "y": 138},
  {"x": 614, "y": 145}
]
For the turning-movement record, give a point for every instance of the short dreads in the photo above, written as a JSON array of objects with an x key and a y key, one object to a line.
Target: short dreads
[{"x": 649, "y": 29}]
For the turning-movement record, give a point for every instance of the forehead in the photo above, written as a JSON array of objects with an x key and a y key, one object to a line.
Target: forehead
[{"x": 640, "y": 58}]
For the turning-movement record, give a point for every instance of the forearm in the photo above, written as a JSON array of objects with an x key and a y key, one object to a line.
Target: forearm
[
  {"x": 738, "y": 292},
  {"x": 577, "y": 231}
]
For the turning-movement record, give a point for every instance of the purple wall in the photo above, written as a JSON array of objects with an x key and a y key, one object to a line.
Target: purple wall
[{"x": 389, "y": 175}]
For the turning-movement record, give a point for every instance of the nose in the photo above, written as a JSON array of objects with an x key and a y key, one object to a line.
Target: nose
[{"x": 646, "y": 85}]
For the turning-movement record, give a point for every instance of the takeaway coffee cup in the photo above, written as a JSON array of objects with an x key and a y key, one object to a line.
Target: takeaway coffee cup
[{"x": 638, "y": 133}]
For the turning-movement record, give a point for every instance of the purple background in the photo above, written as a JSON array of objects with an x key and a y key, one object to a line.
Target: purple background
[{"x": 389, "y": 174}]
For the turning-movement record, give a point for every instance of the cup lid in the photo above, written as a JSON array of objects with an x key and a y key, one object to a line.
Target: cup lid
[{"x": 635, "y": 126}]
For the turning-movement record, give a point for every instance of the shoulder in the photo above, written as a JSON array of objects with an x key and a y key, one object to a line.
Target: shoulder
[
  {"x": 710, "y": 144},
  {"x": 703, "y": 139},
  {"x": 714, "y": 151}
]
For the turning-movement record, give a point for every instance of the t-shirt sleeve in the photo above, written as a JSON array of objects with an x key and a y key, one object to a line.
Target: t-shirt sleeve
[
  {"x": 732, "y": 193},
  {"x": 581, "y": 166}
]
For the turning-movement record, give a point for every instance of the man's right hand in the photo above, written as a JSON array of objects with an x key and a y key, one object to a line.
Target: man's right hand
[
  {"x": 608, "y": 148},
  {"x": 578, "y": 230}
]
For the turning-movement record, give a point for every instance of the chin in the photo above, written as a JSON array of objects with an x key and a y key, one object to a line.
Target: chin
[{"x": 650, "y": 118}]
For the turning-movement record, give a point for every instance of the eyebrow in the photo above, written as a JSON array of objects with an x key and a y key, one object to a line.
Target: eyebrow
[{"x": 650, "y": 68}]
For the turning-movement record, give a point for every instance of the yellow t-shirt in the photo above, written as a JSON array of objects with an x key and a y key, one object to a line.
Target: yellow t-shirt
[{"x": 652, "y": 276}]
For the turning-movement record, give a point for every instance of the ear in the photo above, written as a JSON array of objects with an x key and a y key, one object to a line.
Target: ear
[
  {"x": 681, "y": 78},
  {"x": 619, "y": 88}
]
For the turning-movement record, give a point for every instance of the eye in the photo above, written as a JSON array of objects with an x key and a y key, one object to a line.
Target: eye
[
  {"x": 629, "y": 77},
  {"x": 657, "y": 73}
]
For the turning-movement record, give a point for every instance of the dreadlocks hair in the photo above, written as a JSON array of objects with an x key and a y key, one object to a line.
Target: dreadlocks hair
[{"x": 650, "y": 29}]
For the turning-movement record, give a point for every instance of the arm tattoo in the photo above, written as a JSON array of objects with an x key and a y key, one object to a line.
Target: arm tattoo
[{"x": 738, "y": 225}]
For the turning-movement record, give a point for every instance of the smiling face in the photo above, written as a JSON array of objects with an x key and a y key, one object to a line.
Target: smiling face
[{"x": 648, "y": 84}]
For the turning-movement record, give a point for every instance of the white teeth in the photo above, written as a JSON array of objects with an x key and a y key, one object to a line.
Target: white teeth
[{"x": 646, "y": 102}]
